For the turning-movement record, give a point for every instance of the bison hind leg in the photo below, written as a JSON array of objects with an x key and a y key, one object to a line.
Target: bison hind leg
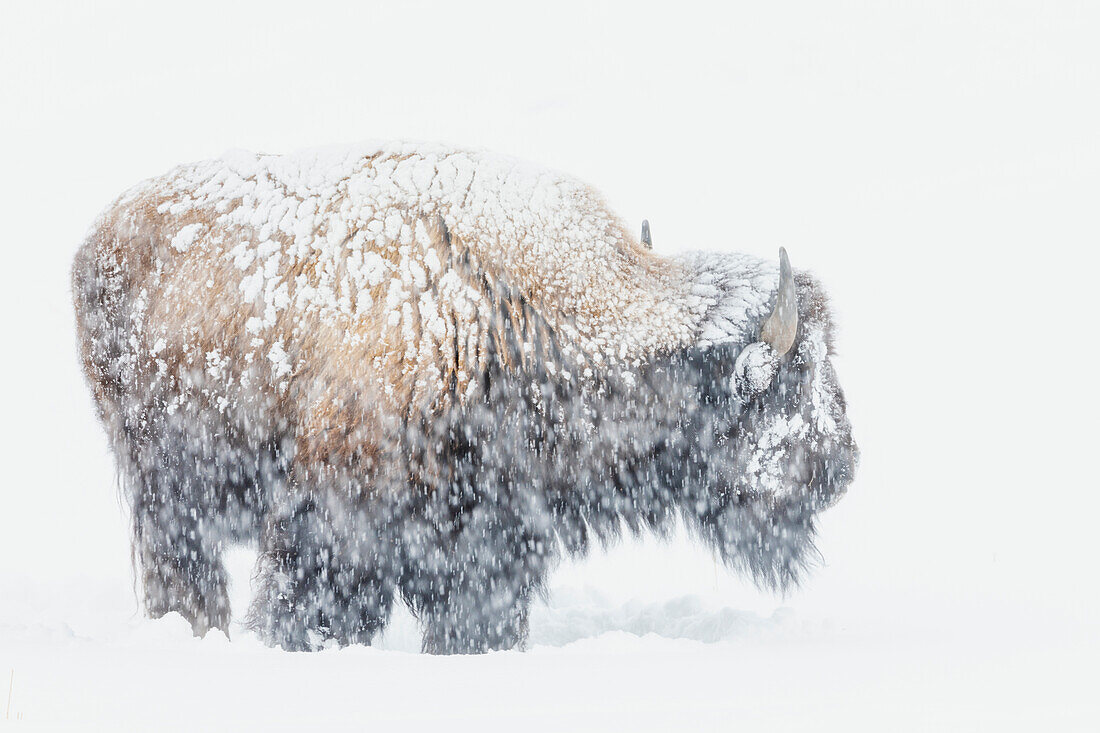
[
  {"x": 188, "y": 579},
  {"x": 192, "y": 493},
  {"x": 178, "y": 557}
]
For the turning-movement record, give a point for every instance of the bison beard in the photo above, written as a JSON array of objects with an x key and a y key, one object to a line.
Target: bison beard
[{"x": 466, "y": 501}]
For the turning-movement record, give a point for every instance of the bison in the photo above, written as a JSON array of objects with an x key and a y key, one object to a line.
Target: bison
[{"x": 409, "y": 371}]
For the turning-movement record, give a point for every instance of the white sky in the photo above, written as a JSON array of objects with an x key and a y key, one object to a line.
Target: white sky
[{"x": 936, "y": 164}]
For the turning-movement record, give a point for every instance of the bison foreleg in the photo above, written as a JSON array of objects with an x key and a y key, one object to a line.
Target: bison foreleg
[
  {"x": 469, "y": 621},
  {"x": 478, "y": 600}
]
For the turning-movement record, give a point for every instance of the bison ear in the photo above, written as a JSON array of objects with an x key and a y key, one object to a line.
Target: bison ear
[{"x": 646, "y": 239}]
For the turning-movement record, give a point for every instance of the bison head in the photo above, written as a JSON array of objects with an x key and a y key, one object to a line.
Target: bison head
[{"x": 765, "y": 441}]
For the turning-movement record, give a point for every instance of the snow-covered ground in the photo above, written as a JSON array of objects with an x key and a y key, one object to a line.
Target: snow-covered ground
[{"x": 937, "y": 165}]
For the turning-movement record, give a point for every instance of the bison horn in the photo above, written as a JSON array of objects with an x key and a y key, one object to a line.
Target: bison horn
[
  {"x": 780, "y": 327},
  {"x": 646, "y": 239}
]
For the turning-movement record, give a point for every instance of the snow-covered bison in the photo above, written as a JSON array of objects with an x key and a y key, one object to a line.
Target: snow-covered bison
[{"x": 414, "y": 371}]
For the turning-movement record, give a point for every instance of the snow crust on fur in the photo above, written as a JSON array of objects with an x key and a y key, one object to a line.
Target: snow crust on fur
[
  {"x": 340, "y": 208},
  {"x": 345, "y": 215}
]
